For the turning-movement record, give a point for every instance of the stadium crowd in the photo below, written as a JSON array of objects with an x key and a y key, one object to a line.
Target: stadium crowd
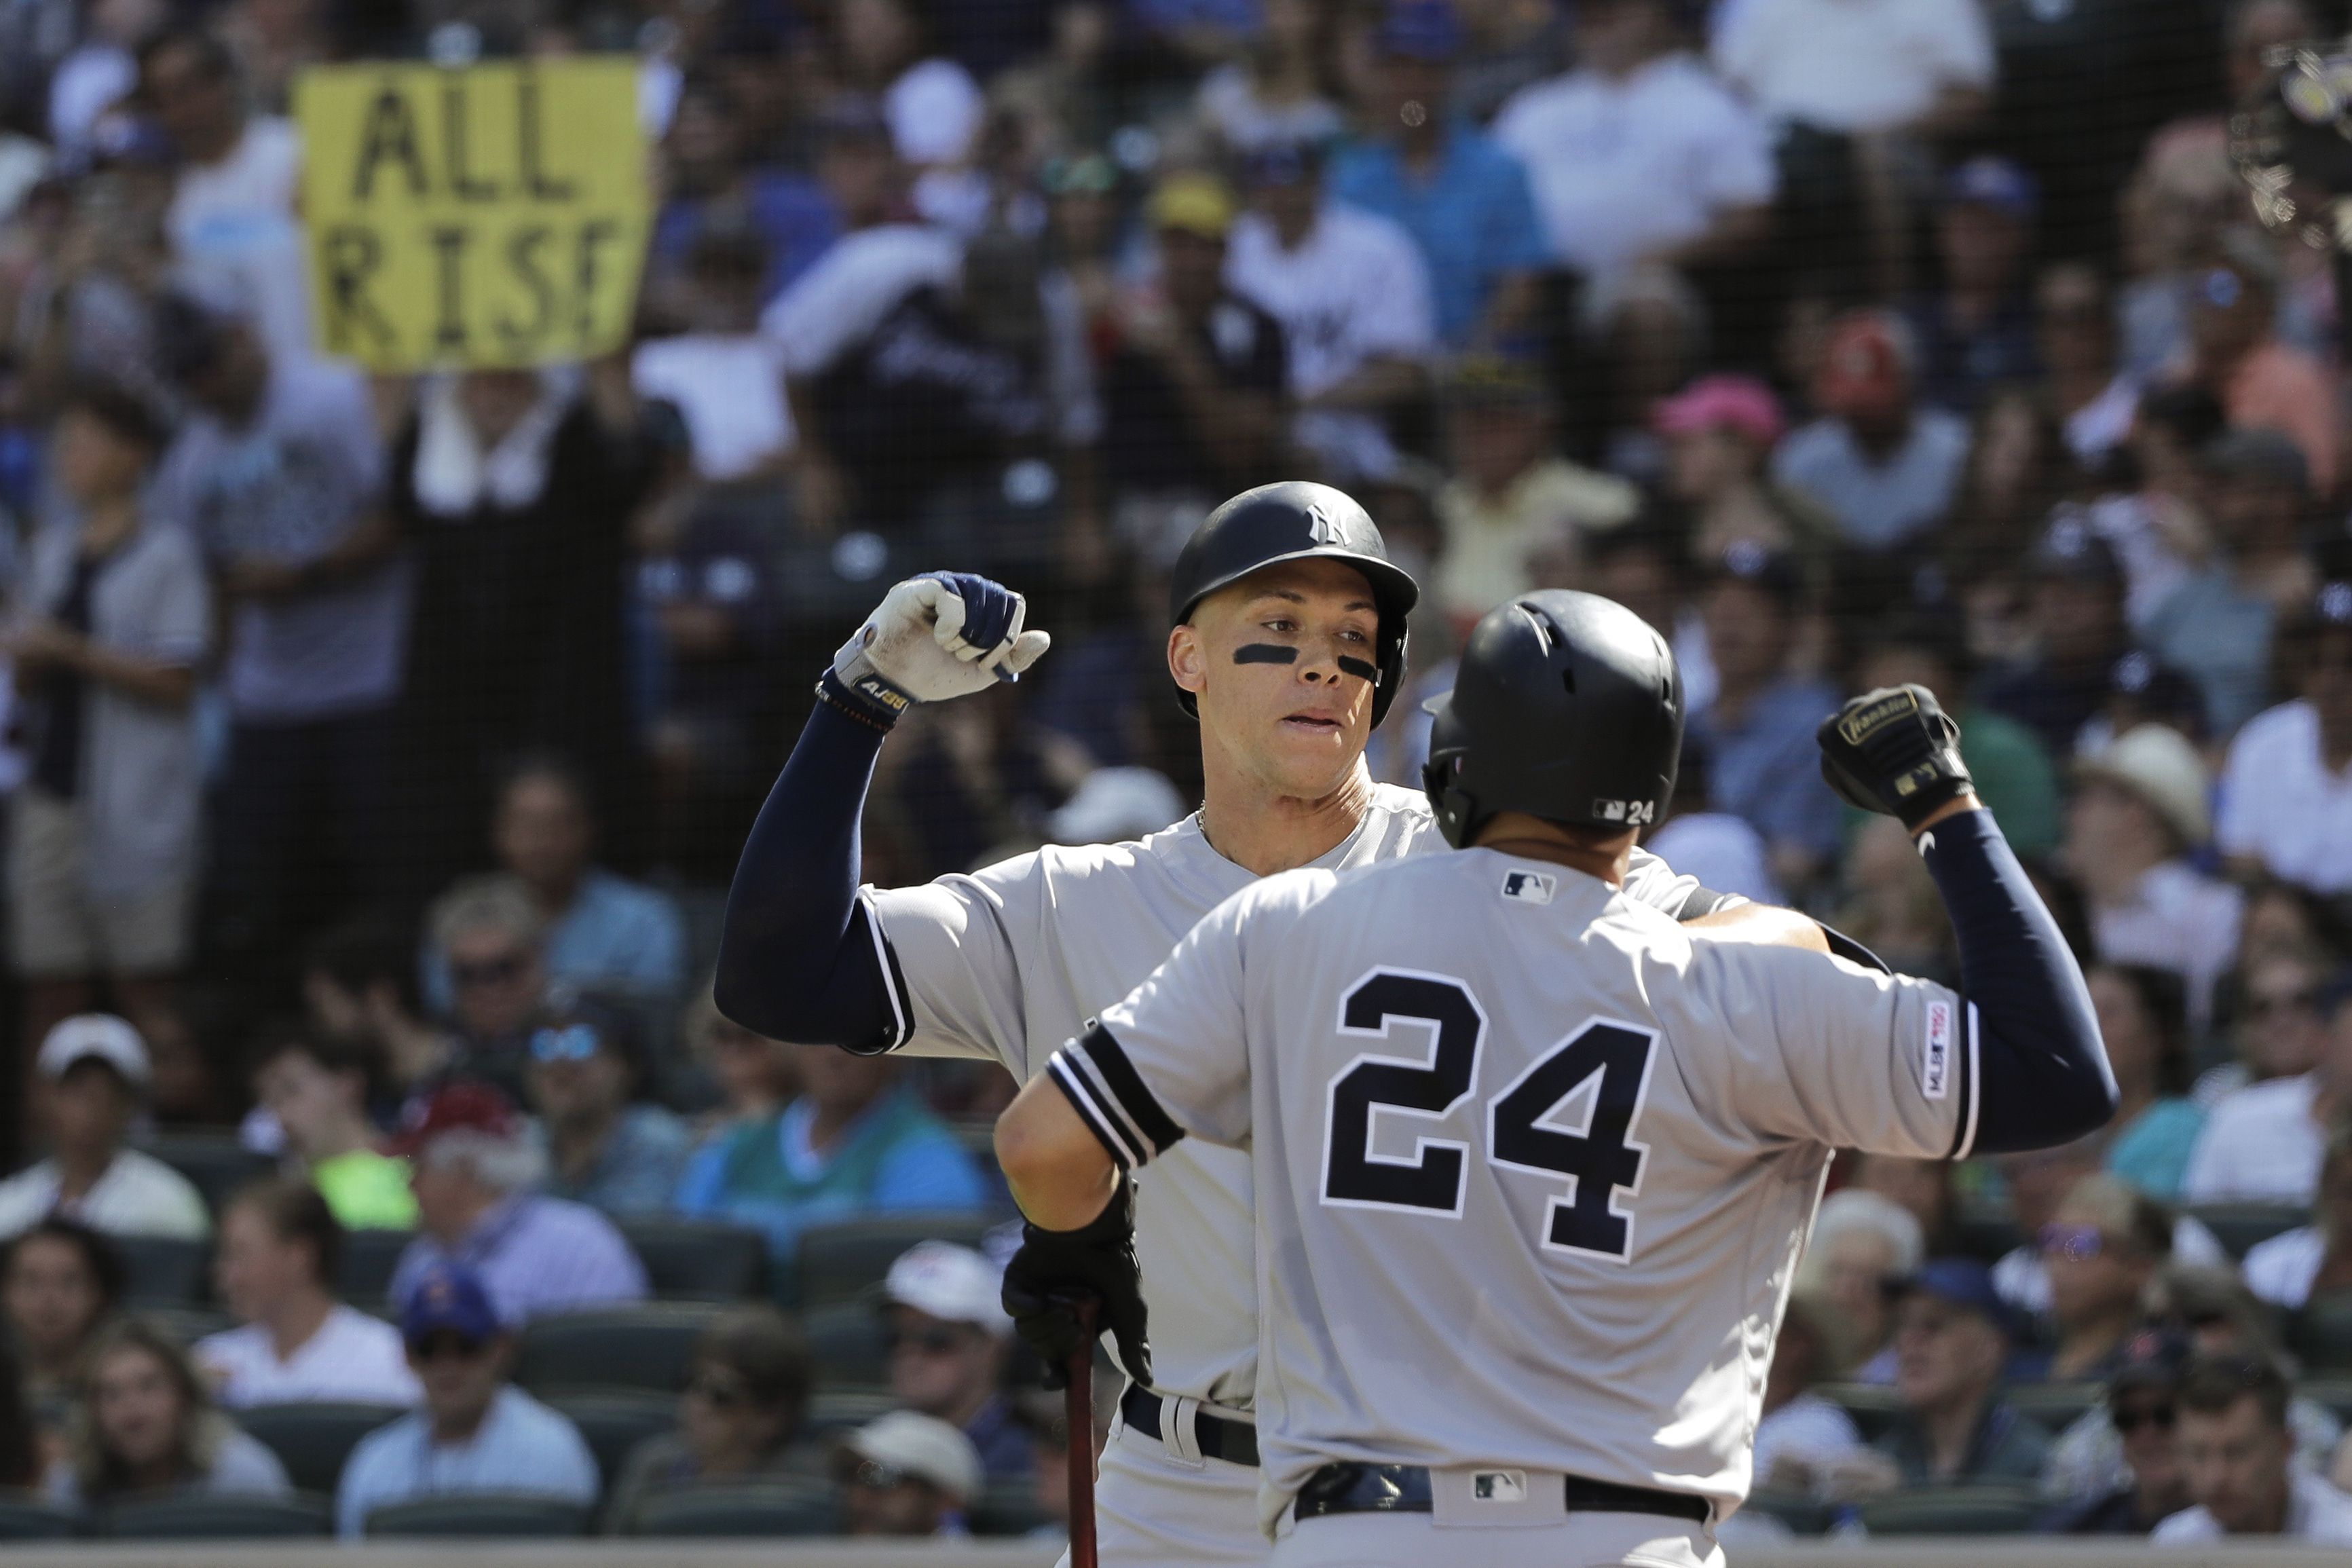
[{"x": 376, "y": 749}]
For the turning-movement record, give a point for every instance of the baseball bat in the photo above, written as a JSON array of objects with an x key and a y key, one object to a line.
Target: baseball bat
[{"x": 1078, "y": 1411}]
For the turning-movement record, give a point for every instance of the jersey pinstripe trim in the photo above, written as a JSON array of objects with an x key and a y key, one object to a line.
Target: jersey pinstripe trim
[
  {"x": 1094, "y": 1074},
  {"x": 1964, "y": 1138},
  {"x": 894, "y": 979}
]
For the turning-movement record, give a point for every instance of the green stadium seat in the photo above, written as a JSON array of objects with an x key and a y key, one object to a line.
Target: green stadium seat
[
  {"x": 2056, "y": 1405},
  {"x": 365, "y": 1276},
  {"x": 478, "y": 1516},
  {"x": 2320, "y": 1334},
  {"x": 1803, "y": 1515},
  {"x": 312, "y": 1440},
  {"x": 1953, "y": 1511},
  {"x": 2238, "y": 1227},
  {"x": 834, "y": 1412},
  {"x": 692, "y": 1260},
  {"x": 1872, "y": 1405},
  {"x": 614, "y": 1422},
  {"x": 25, "y": 1516},
  {"x": 1007, "y": 1508},
  {"x": 217, "y": 1519},
  {"x": 165, "y": 1270},
  {"x": 774, "y": 1510},
  {"x": 840, "y": 1263},
  {"x": 644, "y": 1347},
  {"x": 215, "y": 1162},
  {"x": 846, "y": 1343}
]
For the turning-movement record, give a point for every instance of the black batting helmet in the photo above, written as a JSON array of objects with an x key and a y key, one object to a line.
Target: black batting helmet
[
  {"x": 1567, "y": 706},
  {"x": 1296, "y": 520}
]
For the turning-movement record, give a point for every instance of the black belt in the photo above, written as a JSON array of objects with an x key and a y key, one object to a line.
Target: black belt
[
  {"x": 1404, "y": 1488},
  {"x": 1235, "y": 1442}
]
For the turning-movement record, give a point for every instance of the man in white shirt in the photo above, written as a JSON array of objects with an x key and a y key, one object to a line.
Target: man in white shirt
[
  {"x": 2286, "y": 790},
  {"x": 2235, "y": 1448},
  {"x": 278, "y": 1243},
  {"x": 1353, "y": 297},
  {"x": 92, "y": 1070},
  {"x": 2265, "y": 1143},
  {"x": 1859, "y": 67},
  {"x": 1640, "y": 154}
]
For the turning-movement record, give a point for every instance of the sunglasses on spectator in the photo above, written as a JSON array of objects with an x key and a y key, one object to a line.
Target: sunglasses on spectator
[
  {"x": 2258, "y": 1007},
  {"x": 2130, "y": 1419},
  {"x": 573, "y": 1043},
  {"x": 488, "y": 971},
  {"x": 2080, "y": 1243},
  {"x": 433, "y": 1347},
  {"x": 942, "y": 1341}
]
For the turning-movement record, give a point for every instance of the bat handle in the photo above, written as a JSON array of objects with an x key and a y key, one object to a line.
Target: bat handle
[{"x": 1078, "y": 1410}]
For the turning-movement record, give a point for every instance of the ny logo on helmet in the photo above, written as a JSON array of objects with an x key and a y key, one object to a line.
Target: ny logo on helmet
[{"x": 1320, "y": 526}]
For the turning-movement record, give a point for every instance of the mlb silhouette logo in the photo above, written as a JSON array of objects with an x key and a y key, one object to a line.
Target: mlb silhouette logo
[
  {"x": 1500, "y": 1486},
  {"x": 1528, "y": 887}
]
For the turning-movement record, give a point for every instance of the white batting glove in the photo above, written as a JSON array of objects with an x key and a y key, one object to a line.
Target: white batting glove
[{"x": 940, "y": 636}]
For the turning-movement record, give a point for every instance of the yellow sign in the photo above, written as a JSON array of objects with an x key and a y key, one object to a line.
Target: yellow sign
[{"x": 491, "y": 215}]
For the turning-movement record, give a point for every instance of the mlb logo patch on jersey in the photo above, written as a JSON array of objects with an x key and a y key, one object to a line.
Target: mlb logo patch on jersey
[
  {"x": 1500, "y": 1486},
  {"x": 1935, "y": 1057},
  {"x": 1529, "y": 887}
]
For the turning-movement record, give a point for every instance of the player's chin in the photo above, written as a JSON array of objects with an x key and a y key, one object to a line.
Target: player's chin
[{"x": 1312, "y": 756}]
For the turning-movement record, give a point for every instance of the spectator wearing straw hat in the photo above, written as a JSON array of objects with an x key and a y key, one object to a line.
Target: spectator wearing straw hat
[
  {"x": 93, "y": 1072},
  {"x": 2286, "y": 790}
]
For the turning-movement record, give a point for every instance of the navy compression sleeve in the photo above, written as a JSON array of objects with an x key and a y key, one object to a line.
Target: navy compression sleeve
[
  {"x": 2042, "y": 1077},
  {"x": 798, "y": 959}
]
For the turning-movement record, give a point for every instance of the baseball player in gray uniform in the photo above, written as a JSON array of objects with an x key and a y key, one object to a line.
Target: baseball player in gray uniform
[
  {"x": 1287, "y": 637},
  {"x": 1533, "y": 1166}
]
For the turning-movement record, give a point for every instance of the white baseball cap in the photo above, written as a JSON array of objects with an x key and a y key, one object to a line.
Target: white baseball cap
[
  {"x": 952, "y": 1283},
  {"x": 111, "y": 1039},
  {"x": 1115, "y": 805},
  {"x": 2160, "y": 766},
  {"x": 923, "y": 1447}
]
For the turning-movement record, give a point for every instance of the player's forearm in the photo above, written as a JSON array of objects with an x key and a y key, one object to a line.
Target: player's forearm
[
  {"x": 2043, "y": 1074},
  {"x": 795, "y": 959},
  {"x": 1056, "y": 1168}
]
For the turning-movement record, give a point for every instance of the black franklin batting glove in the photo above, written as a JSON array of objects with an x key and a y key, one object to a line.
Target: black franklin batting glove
[
  {"x": 1055, "y": 1269},
  {"x": 1894, "y": 750}
]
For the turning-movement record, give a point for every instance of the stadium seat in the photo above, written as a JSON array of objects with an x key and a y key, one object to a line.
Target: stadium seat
[
  {"x": 2321, "y": 1333},
  {"x": 165, "y": 1270},
  {"x": 2238, "y": 1227},
  {"x": 692, "y": 1260},
  {"x": 1953, "y": 1511},
  {"x": 615, "y": 1422},
  {"x": 201, "y": 1518},
  {"x": 640, "y": 1347},
  {"x": 841, "y": 1262},
  {"x": 479, "y": 1515},
  {"x": 1007, "y": 1508},
  {"x": 1802, "y": 1514},
  {"x": 186, "y": 1325},
  {"x": 312, "y": 1440},
  {"x": 25, "y": 1516},
  {"x": 1871, "y": 1405},
  {"x": 365, "y": 1277},
  {"x": 846, "y": 1342},
  {"x": 833, "y": 1412},
  {"x": 2056, "y": 1405},
  {"x": 215, "y": 1162},
  {"x": 738, "y": 1511}
]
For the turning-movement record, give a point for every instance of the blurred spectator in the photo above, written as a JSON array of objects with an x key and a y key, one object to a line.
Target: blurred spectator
[
  {"x": 2141, "y": 1409},
  {"x": 361, "y": 983},
  {"x": 606, "y": 1148},
  {"x": 948, "y": 1336},
  {"x": 474, "y": 1166},
  {"x": 1512, "y": 493},
  {"x": 2286, "y": 805},
  {"x": 1115, "y": 806},
  {"x": 739, "y": 1419},
  {"x": 931, "y": 104},
  {"x": 2143, "y": 1020},
  {"x": 58, "y": 1282},
  {"x": 1885, "y": 466},
  {"x": 2213, "y": 1306},
  {"x": 2264, "y": 1143},
  {"x": 2075, "y": 617},
  {"x": 2037, "y": 1181},
  {"x": 1889, "y": 904},
  {"x": 146, "y": 1428},
  {"x": 1952, "y": 1338},
  {"x": 1462, "y": 197},
  {"x": 1508, "y": 44},
  {"x": 908, "y": 1475},
  {"x": 1193, "y": 391},
  {"x": 316, "y": 1089},
  {"x": 1884, "y": 65},
  {"x": 20, "y": 1434},
  {"x": 278, "y": 474},
  {"x": 275, "y": 1271},
  {"x": 2294, "y": 1267},
  {"x": 1640, "y": 154},
  {"x": 719, "y": 372},
  {"x": 487, "y": 934},
  {"x": 1719, "y": 433},
  {"x": 2139, "y": 815},
  {"x": 2102, "y": 1250},
  {"x": 1862, "y": 1243},
  {"x": 716, "y": 188},
  {"x": 474, "y": 1432},
  {"x": 2217, "y": 626},
  {"x": 93, "y": 1071},
  {"x": 1801, "y": 1439},
  {"x": 231, "y": 218},
  {"x": 1759, "y": 729},
  {"x": 1720, "y": 849},
  {"x": 1353, "y": 298},
  {"x": 101, "y": 71},
  {"x": 2074, "y": 338},
  {"x": 2234, "y": 1450},
  {"x": 111, "y": 620},
  {"x": 1276, "y": 92},
  {"x": 1977, "y": 333},
  {"x": 857, "y": 1142},
  {"x": 2234, "y": 352},
  {"x": 2158, "y": 531},
  {"x": 756, "y": 1076},
  {"x": 1922, "y": 1187}
]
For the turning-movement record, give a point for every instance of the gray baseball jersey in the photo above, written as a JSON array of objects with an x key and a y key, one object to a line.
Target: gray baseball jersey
[
  {"x": 1011, "y": 962},
  {"x": 1533, "y": 1161}
]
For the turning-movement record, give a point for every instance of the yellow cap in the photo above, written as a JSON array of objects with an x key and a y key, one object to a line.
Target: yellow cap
[{"x": 1198, "y": 203}]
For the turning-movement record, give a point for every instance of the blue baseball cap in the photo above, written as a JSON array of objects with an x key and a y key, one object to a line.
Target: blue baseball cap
[
  {"x": 448, "y": 1298},
  {"x": 1962, "y": 1282},
  {"x": 1995, "y": 182},
  {"x": 1423, "y": 30}
]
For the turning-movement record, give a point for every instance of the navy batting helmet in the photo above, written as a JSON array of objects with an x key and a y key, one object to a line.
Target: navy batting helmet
[
  {"x": 1567, "y": 706},
  {"x": 1296, "y": 520}
]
